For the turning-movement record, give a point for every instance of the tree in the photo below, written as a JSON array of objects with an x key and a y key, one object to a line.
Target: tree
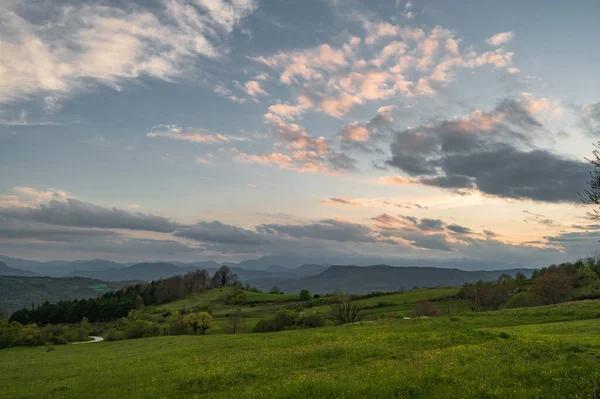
[
  {"x": 199, "y": 322},
  {"x": 591, "y": 195},
  {"x": 552, "y": 286},
  {"x": 223, "y": 277},
  {"x": 275, "y": 290},
  {"x": 346, "y": 312},
  {"x": 304, "y": 295},
  {"x": 234, "y": 320},
  {"x": 520, "y": 279}
]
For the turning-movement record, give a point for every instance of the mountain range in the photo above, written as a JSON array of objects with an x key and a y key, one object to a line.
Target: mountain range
[{"x": 317, "y": 278}]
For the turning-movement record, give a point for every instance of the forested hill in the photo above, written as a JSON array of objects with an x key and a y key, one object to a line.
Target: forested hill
[
  {"x": 364, "y": 279},
  {"x": 6, "y": 270},
  {"x": 20, "y": 291}
]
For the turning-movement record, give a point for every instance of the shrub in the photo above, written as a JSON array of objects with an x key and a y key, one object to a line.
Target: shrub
[
  {"x": 304, "y": 295},
  {"x": 522, "y": 300},
  {"x": 346, "y": 312},
  {"x": 141, "y": 329},
  {"x": 425, "y": 308},
  {"x": 276, "y": 290},
  {"x": 314, "y": 320},
  {"x": 263, "y": 325}
]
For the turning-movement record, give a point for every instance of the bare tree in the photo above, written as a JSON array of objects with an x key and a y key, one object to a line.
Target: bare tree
[
  {"x": 591, "y": 195},
  {"x": 223, "y": 277},
  {"x": 234, "y": 321},
  {"x": 346, "y": 312}
]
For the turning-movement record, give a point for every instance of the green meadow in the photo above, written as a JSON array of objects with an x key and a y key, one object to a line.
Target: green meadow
[{"x": 539, "y": 352}]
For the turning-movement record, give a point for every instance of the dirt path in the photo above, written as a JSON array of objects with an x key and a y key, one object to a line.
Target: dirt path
[{"x": 94, "y": 339}]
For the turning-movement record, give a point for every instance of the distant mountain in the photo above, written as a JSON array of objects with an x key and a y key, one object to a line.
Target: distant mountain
[
  {"x": 22, "y": 264},
  {"x": 138, "y": 272},
  {"x": 17, "y": 292},
  {"x": 6, "y": 270},
  {"x": 364, "y": 279}
]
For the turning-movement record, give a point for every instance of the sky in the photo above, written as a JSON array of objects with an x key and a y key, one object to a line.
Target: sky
[{"x": 234, "y": 129}]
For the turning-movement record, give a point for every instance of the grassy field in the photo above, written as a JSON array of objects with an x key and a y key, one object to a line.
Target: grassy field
[{"x": 544, "y": 352}]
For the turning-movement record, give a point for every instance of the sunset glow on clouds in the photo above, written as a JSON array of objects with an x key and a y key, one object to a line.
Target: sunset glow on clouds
[{"x": 234, "y": 129}]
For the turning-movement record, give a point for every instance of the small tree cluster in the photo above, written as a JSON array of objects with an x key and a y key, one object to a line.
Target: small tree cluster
[{"x": 346, "y": 311}]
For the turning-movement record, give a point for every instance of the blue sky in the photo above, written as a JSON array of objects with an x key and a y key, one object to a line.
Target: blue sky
[{"x": 407, "y": 129}]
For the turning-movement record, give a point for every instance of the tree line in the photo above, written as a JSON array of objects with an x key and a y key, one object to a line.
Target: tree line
[
  {"x": 118, "y": 304},
  {"x": 550, "y": 285}
]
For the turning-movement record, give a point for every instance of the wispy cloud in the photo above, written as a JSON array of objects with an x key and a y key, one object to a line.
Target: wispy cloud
[
  {"x": 92, "y": 44},
  {"x": 501, "y": 38}
]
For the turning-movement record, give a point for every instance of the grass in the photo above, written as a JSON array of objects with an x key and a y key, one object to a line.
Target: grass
[{"x": 548, "y": 352}]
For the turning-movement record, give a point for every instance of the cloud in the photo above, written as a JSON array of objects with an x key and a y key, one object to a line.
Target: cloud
[
  {"x": 308, "y": 153},
  {"x": 219, "y": 233},
  {"x": 75, "y": 213},
  {"x": 281, "y": 160},
  {"x": 14, "y": 229},
  {"x": 32, "y": 194},
  {"x": 459, "y": 229},
  {"x": 501, "y": 38},
  {"x": 472, "y": 153},
  {"x": 225, "y": 92},
  {"x": 394, "y": 180},
  {"x": 393, "y": 61},
  {"x": 409, "y": 205},
  {"x": 386, "y": 219},
  {"x": 289, "y": 111},
  {"x": 335, "y": 201},
  {"x": 430, "y": 225},
  {"x": 490, "y": 234},
  {"x": 428, "y": 241},
  {"x": 24, "y": 120},
  {"x": 76, "y": 46},
  {"x": 253, "y": 89},
  {"x": 327, "y": 229},
  {"x": 354, "y": 132},
  {"x": 590, "y": 118},
  {"x": 539, "y": 219},
  {"x": 179, "y": 133}
]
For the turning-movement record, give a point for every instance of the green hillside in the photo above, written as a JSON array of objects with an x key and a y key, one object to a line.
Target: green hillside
[
  {"x": 19, "y": 291},
  {"x": 548, "y": 352}
]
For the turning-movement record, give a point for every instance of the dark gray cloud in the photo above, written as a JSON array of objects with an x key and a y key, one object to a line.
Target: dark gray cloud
[
  {"x": 220, "y": 233},
  {"x": 538, "y": 218},
  {"x": 590, "y": 118},
  {"x": 343, "y": 162},
  {"x": 459, "y": 229},
  {"x": 328, "y": 229},
  {"x": 491, "y": 152},
  {"x": 410, "y": 205},
  {"x": 418, "y": 239},
  {"x": 507, "y": 172},
  {"x": 430, "y": 225},
  {"x": 490, "y": 234},
  {"x": 19, "y": 229},
  {"x": 75, "y": 213}
]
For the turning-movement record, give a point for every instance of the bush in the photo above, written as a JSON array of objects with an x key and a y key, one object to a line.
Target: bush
[
  {"x": 425, "y": 308},
  {"x": 304, "y": 295},
  {"x": 346, "y": 312},
  {"x": 522, "y": 300},
  {"x": 276, "y": 290},
  {"x": 262, "y": 326},
  {"x": 141, "y": 329},
  {"x": 314, "y": 320}
]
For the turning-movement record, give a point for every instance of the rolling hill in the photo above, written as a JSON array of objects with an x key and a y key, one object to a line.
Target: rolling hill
[
  {"x": 364, "y": 279},
  {"x": 17, "y": 292},
  {"x": 6, "y": 270}
]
